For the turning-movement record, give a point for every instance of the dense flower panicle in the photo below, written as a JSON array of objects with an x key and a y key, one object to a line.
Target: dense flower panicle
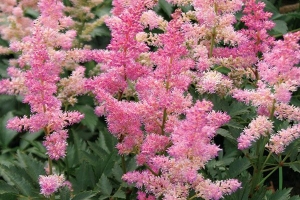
[
  {"x": 14, "y": 24},
  {"x": 285, "y": 111},
  {"x": 199, "y": 127},
  {"x": 16, "y": 84},
  {"x": 50, "y": 184},
  {"x": 258, "y": 23},
  {"x": 144, "y": 196},
  {"x": 206, "y": 189},
  {"x": 56, "y": 144},
  {"x": 152, "y": 144},
  {"x": 37, "y": 81},
  {"x": 262, "y": 96},
  {"x": 151, "y": 19},
  {"x": 283, "y": 138},
  {"x": 261, "y": 126},
  {"x": 279, "y": 64},
  {"x": 214, "y": 82}
]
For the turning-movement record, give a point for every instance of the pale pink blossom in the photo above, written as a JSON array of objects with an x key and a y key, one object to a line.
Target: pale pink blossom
[
  {"x": 259, "y": 127},
  {"x": 50, "y": 184},
  {"x": 283, "y": 138},
  {"x": 56, "y": 144}
]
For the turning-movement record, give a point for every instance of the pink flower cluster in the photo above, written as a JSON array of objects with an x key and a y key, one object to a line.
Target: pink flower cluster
[
  {"x": 169, "y": 132},
  {"x": 36, "y": 76},
  {"x": 143, "y": 86},
  {"x": 52, "y": 183},
  {"x": 278, "y": 79}
]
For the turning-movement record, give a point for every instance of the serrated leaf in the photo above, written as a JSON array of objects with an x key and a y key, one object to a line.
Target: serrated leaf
[
  {"x": 238, "y": 108},
  {"x": 226, "y": 134},
  {"x": 106, "y": 141},
  {"x": 107, "y": 164},
  {"x": 238, "y": 166},
  {"x": 87, "y": 195},
  {"x": 5, "y": 188},
  {"x": 33, "y": 167},
  {"x": 23, "y": 185},
  {"x": 120, "y": 194},
  {"x": 28, "y": 137},
  {"x": 90, "y": 118},
  {"x": 295, "y": 166},
  {"x": 104, "y": 185},
  {"x": 131, "y": 164},
  {"x": 65, "y": 194},
  {"x": 234, "y": 124},
  {"x": 85, "y": 177},
  {"x": 90, "y": 158},
  {"x": 283, "y": 194},
  {"x": 117, "y": 172},
  {"x": 295, "y": 197},
  {"x": 97, "y": 150}
]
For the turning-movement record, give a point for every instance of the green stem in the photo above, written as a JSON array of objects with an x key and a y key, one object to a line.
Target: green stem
[
  {"x": 270, "y": 153},
  {"x": 266, "y": 170},
  {"x": 264, "y": 179},
  {"x": 280, "y": 174},
  {"x": 123, "y": 164},
  {"x": 164, "y": 121},
  {"x": 212, "y": 42},
  {"x": 149, "y": 168},
  {"x": 280, "y": 35}
]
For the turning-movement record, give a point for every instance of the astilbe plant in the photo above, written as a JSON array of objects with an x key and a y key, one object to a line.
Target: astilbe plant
[
  {"x": 143, "y": 90},
  {"x": 40, "y": 65}
]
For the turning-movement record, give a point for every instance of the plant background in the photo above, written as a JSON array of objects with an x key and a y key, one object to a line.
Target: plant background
[{"x": 92, "y": 163}]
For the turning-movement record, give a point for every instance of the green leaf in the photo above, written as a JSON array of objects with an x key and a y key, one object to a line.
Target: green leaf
[
  {"x": 234, "y": 124},
  {"x": 28, "y": 137},
  {"x": 106, "y": 141},
  {"x": 117, "y": 172},
  {"x": 65, "y": 194},
  {"x": 102, "y": 11},
  {"x": 295, "y": 166},
  {"x": 227, "y": 135},
  {"x": 6, "y": 135},
  {"x": 32, "y": 13},
  {"x": 104, "y": 185},
  {"x": 283, "y": 194},
  {"x": 17, "y": 178},
  {"x": 85, "y": 177},
  {"x": 100, "y": 31},
  {"x": 280, "y": 26},
  {"x": 97, "y": 150},
  {"x": 223, "y": 70},
  {"x": 120, "y": 194},
  {"x": 166, "y": 7},
  {"x": 33, "y": 167},
  {"x": 84, "y": 195},
  {"x": 295, "y": 197},
  {"x": 238, "y": 166},
  {"x": 237, "y": 108},
  {"x": 8, "y": 196},
  {"x": 5, "y": 188},
  {"x": 90, "y": 118}
]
